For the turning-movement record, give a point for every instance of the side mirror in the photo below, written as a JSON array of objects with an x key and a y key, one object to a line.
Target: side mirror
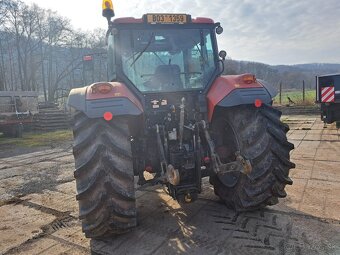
[
  {"x": 108, "y": 11},
  {"x": 218, "y": 29},
  {"x": 222, "y": 54}
]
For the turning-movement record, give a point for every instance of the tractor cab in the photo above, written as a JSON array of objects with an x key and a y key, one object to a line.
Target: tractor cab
[{"x": 163, "y": 53}]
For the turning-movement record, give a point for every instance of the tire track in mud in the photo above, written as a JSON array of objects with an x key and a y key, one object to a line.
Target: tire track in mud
[
  {"x": 21, "y": 162},
  {"x": 261, "y": 232},
  {"x": 269, "y": 231},
  {"x": 49, "y": 171},
  {"x": 62, "y": 220},
  {"x": 265, "y": 232}
]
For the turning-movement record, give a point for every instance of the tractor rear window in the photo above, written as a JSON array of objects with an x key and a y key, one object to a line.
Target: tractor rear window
[{"x": 167, "y": 60}]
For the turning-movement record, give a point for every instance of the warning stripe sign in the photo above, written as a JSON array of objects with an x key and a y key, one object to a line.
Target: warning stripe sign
[{"x": 327, "y": 94}]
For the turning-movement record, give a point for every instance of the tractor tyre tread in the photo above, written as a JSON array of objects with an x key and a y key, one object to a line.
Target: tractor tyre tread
[
  {"x": 104, "y": 176},
  {"x": 262, "y": 139}
]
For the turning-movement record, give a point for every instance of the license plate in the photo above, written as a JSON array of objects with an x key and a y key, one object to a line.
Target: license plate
[{"x": 166, "y": 18}]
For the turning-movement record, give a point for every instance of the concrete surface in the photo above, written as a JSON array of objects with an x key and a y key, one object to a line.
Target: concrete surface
[{"x": 39, "y": 213}]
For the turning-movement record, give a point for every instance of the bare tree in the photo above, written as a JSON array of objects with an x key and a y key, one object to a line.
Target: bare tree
[
  {"x": 3, "y": 13},
  {"x": 58, "y": 33}
]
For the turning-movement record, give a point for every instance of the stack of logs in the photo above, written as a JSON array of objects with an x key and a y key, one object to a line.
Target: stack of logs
[{"x": 52, "y": 118}]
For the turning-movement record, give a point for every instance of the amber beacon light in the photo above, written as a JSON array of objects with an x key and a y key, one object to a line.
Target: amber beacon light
[{"x": 108, "y": 11}]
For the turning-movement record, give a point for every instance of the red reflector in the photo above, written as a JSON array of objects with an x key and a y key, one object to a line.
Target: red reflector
[
  {"x": 107, "y": 116},
  {"x": 87, "y": 58},
  {"x": 258, "y": 103},
  {"x": 206, "y": 160}
]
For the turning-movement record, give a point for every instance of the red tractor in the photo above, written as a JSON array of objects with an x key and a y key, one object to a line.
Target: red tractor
[{"x": 168, "y": 110}]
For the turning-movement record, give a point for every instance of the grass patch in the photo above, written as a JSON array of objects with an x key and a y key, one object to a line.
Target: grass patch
[
  {"x": 297, "y": 97},
  {"x": 34, "y": 139}
]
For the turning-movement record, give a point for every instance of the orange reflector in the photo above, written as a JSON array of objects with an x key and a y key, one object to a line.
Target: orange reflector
[
  {"x": 102, "y": 88},
  {"x": 249, "y": 78},
  {"x": 258, "y": 103},
  {"x": 108, "y": 116}
]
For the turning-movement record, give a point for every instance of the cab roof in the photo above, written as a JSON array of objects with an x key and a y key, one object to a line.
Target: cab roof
[{"x": 127, "y": 20}]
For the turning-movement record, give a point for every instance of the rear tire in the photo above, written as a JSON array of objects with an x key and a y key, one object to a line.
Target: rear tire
[
  {"x": 260, "y": 136},
  {"x": 104, "y": 176}
]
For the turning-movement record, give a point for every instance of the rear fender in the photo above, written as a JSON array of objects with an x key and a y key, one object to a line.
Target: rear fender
[
  {"x": 120, "y": 101},
  {"x": 231, "y": 90}
]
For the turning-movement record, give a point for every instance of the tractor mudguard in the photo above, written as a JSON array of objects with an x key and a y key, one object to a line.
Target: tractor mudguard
[
  {"x": 118, "y": 101},
  {"x": 232, "y": 90},
  {"x": 76, "y": 99},
  {"x": 271, "y": 90}
]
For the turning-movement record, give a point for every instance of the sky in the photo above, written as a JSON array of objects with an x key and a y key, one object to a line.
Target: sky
[{"x": 268, "y": 31}]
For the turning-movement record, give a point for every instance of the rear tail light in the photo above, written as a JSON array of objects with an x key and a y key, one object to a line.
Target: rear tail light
[{"x": 102, "y": 88}]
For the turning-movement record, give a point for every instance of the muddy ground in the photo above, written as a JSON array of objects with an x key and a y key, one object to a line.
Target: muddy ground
[{"x": 38, "y": 210}]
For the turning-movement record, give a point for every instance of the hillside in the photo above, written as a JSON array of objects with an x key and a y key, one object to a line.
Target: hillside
[{"x": 291, "y": 76}]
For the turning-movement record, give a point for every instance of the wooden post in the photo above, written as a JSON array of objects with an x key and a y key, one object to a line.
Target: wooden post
[
  {"x": 303, "y": 90},
  {"x": 280, "y": 97}
]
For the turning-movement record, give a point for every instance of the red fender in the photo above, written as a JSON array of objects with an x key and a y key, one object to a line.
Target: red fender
[
  {"x": 224, "y": 85},
  {"x": 119, "y": 90},
  {"x": 102, "y": 98}
]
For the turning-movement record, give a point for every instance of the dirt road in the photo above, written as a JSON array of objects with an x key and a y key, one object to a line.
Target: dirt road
[{"x": 39, "y": 213}]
